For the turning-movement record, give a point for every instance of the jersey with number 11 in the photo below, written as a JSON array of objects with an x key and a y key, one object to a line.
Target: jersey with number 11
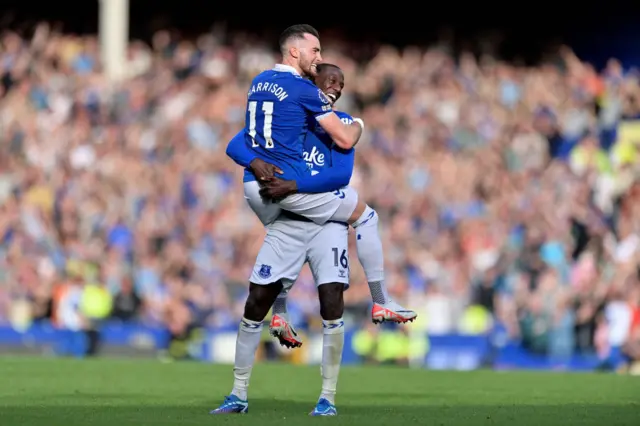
[{"x": 279, "y": 103}]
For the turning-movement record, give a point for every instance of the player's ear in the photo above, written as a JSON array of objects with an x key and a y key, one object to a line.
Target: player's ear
[{"x": 294, "y": 52}]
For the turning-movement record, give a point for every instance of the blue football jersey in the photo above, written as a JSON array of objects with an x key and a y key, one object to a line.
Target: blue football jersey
[
  {"x": 279, "y": 105},
  {"x": 330, "y": 167},
  {"x": 319, "y": 149}
]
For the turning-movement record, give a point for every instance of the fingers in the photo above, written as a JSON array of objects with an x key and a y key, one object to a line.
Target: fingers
[{"x": 274, "y": 169}]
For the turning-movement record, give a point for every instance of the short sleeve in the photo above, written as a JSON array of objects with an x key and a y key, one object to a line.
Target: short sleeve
[
  {"x": 314, "y": 101},
  {"x": 344, "y": 117}
]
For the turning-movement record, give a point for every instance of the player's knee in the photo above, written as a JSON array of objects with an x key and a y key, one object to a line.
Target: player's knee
[
  {"x": 260, "y": 299},
  {"x": 368, "y": 217},
  {"x": 359, "y": 210},
  {"x": 331, "y": 301}
]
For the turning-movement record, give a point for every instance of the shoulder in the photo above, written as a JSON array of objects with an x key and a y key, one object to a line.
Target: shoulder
[
  {"x": 295, "y": 84},
  {"x": 263, "y": 75},
  {"x": 306, "y": 86}
]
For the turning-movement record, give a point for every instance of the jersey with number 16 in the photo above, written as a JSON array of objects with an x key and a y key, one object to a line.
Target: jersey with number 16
[{"x": 279, "y": 103}]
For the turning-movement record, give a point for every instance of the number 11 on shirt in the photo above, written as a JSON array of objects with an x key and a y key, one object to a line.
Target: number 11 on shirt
[{"x": 267, "y": 109}]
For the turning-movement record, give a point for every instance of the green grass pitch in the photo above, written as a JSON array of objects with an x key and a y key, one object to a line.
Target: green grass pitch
[{"x": 113, "y": 392}]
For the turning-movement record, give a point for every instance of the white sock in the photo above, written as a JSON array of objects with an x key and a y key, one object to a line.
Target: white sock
[
  {"x": 370, "y": 254},
  {"x": 246, "y": 347},
  {"x": 332, "y": 343},
  {"x": 280, "y": 305}
]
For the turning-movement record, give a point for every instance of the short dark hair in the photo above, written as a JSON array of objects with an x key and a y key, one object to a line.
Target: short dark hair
[
  {"x": 296, "y": 31},
  {"x": 324, "y": 65}
]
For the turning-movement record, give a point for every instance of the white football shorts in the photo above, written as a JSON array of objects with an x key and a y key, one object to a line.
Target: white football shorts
[
  {"x": 290, "y": 243},
  {"x": 320, "y": 208}
]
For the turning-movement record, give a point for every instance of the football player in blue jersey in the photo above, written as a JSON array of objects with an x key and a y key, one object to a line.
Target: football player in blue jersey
[
  {"x": 281, "y": 103},
  {"x": 291, "y": 240}
]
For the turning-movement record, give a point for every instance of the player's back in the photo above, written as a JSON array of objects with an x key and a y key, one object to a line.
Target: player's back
[{"x": 279, "y": 103}]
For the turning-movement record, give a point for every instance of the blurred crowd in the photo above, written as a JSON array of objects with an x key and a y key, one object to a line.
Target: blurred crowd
[{"x": 508, "y": 195}]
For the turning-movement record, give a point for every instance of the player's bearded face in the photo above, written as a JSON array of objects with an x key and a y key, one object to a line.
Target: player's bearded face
[{"x": 309, "y": 55}]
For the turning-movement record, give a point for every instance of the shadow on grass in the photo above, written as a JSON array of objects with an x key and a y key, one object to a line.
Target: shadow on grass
[{"x": 109, "y": 410}]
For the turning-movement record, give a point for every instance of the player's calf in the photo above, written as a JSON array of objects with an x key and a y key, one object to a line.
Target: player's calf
[
  {"x": 331, "y": 301},
  {"x": 331, "y": 309},
  {"x": 258, "y": 303},
  {"x": 370, "y": 254}
]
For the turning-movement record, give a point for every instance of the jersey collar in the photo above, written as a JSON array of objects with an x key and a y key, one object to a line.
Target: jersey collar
[{"x": 285, "y": 68}]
